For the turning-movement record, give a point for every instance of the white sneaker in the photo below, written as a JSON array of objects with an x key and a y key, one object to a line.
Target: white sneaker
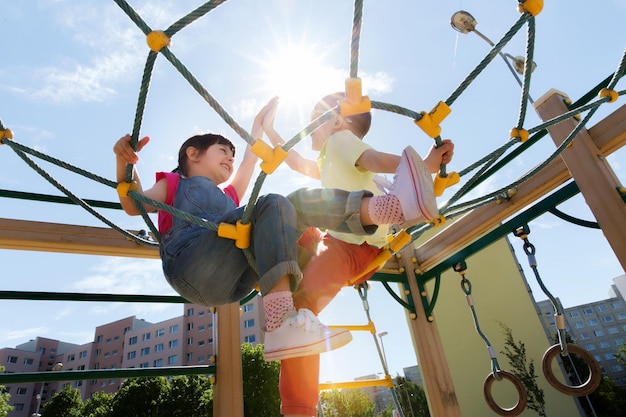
[
  {"x": 413, "y": 185},
  {"x": 302, "y": 334}
]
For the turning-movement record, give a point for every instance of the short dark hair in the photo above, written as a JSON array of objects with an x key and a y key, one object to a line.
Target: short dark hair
[
  {"x": 201, "y": 143},
  {"x": 359, "y": 123}
]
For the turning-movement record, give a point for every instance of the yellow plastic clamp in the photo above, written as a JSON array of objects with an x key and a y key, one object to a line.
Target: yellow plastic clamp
[
  {"x": 157, "y": 40},
  {"x": 239, "y": 232},
  {"x": 441, "y": 183},
  {"x": 123, "y": 188},
  {"x": 605, "y": 92},
  {"x": 439, "y": 220},
  {"x": 522, "y": 134},
  {"x": 399, "y": 241},
  {"x": 533, "y": 7},
  {"x": 271, "y": 157},
  {"x": 429, "y": 122},
  {"x": 355, "y": 102},
  {"x": 6, "y": 134}
]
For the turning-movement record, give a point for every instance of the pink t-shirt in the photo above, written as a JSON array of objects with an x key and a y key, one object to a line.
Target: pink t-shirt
[{"x": 165, "y": 219}]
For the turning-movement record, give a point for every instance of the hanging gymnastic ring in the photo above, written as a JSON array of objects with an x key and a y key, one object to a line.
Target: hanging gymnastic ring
[
  {"x": 589, "y": 386},
  {"x": 522, "y": 395}
]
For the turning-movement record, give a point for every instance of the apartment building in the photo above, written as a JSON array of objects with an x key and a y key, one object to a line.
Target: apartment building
[
  {"x": 127, "y": 343},
  {"x": 599, "y": 327}
]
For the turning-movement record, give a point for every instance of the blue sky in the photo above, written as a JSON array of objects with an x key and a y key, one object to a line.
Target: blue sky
[{"x": 70, "y": 77}]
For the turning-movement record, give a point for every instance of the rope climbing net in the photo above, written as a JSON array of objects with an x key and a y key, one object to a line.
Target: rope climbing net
[{"x": 520, "y": 139}]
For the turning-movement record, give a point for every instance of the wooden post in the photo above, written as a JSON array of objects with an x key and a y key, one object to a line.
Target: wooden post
[
  {"x": 432, "y": 361},
  {"x": 593, "y": 175},
  {"x": 228, "y": 395}
]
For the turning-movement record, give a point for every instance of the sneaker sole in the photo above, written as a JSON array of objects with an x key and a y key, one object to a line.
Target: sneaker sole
[
  {"x": 426, "y": 202},
  {"x": 337, "y": 340}
]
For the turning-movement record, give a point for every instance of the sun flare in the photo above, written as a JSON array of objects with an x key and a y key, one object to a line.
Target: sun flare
[{"x": 298, "y": 75}]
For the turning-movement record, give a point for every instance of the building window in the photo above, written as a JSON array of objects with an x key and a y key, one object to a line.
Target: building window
[
  {"x": 579, "y": 325},
  {"x": 189, "y": 357},
  {"x": 190, "y": 341},
  {"x": 619, "y": 341},
  {"x": 127, "y": 329},
  {"x": 593, "y": 322},
  {"x": 617, "y": 367},
  {"x": 189, "y": 326},
  {"x": 616, "y": 304},
  {"x": 574, "y": 314},
  {"x": 201, "y": 328},
  {"x": 18, "y": 407},
  {"x": 584, "y": 336},
  {"x": 171, "y": 360},
  {"x": 248, "y": 307},
  {"x": 201, "y": 343},
  {"x": 190, "y": 311},
  {"x": 82, "y": 354},
  {"x": 99, "y": 339},
  {"x": 250, "y": 339},
  {"x": 607, "y": 319},
  {"x": 158, "y": 362},
  {"x": 132, "y": 355},
  {"x": 116, "y": 338},
  {"x": 29, "y": 361},
  {"x": 115, "y": 352},
  {"x": 210, "y": 341},
  {"x": 598, "y": 333},
  {"x": 159, "y": 347},
  {"x": 602, "y": 308},
  {"x": 12, "y": 359},
  {"x": 42, "y": 350},
  {"x": 587, "y": 311},
  {"x": 144, "y": 365},
  {"x": 173, "y": 343},
  {"x": 159, "y": 333},
  {"x": 22, "y": 391},
  {"x": 590, "y": 347},
  {"x": 248, "y": 323},
  {"x": 145, "y": 351},
  {"x": 200, "y": 313},
  {"x": 174, "y": 328},
  {"x": 145, "y": 336},
  {"x": 109, "y": 340},
  {"x": 106, "y": 355},
  {"x": 604, "y": 344},
  {"x": 201, "y": 359},
  {"x": 209, "y": 326},
  {"x": 98, "y": 352},
  {"x": 609, "y": 356}
]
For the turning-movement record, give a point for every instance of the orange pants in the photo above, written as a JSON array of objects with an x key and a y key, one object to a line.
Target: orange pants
[{"x": 332, "y": 264}]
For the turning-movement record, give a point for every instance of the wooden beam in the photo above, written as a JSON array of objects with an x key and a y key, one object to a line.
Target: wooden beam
[
  {"x": 228, "y": 400},
  {"x": 438, "y": 384},
  {"x": 608, "y": 135},
  {"x": 594, "y": 176},
  {"x": 65, "y": 238}
]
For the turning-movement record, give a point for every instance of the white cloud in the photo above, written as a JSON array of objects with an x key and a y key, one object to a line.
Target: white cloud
[
  {"x": 23, "y": 333},
  {"x": 125, "y": 276}
]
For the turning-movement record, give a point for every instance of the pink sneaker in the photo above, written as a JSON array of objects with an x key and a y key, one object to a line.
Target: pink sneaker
[
  {"x": 413, "y": 185},
  {"x": 302, "y": 334}
]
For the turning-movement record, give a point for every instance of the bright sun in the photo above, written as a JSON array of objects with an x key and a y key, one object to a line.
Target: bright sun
[{"x": 297, "y": 75}]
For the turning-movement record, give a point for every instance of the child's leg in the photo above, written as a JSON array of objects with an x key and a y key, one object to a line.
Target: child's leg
[{"x": 299, "y": 386}]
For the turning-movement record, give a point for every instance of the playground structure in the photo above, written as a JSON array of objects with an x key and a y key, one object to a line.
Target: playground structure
[{"x": 575, "y": 157}]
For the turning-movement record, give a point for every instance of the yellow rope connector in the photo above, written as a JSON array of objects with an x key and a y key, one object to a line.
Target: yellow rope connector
[
  {"x": 429, "y": 122},
  {"x": 439, "y": 220},
  {"x": 533, "y": 7},
  {"x": 239, "y": 232},
  {"x": 399, "y": 241},
  {"x": 271, "y": 157},
  {"x": 605, "y": 92},
  {"x": 522, "y": 134},
  {"x": 6, "y": 134},
  {"x": 441, "y": 183},
  {"x": 355, "y": 102},
  {"x": 157, "y": 40},
  {"x": 123, "y": 188}
]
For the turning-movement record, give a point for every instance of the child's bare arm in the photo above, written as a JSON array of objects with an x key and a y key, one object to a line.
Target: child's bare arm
[
  {"x": 379, "y": 162},
  {"x": 441, "y": 155},
  {"x": 124, "y": 154},
  {"x": 294, "y": 160}
]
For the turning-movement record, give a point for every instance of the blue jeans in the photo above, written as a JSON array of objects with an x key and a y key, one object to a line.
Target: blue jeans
[
  {"x": 332, "y": 209},
  {"x": 210, "y": 270}
]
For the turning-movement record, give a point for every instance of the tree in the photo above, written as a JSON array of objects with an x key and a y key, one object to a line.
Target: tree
[
  {"x": 524, "y": 369},
  {"x": 65, "y": 403},
  {"x": 140, "y": 397},
  {"x": 261, "y": 397},
  {"x": 346, "y": 403},
  {"x": 99, "y": 405},
  {"x": 184, "y": 397},
  {"x": 412, "y": 398},
  {"x": 5, "y": 408}
]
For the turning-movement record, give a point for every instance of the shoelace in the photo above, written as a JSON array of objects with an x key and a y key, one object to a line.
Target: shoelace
[
  {"x": 307, "y": 320},
  {"x": 382, "y": 183}
]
